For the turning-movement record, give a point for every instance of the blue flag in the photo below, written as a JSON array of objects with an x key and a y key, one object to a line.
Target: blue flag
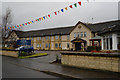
[
  {"x": 62, "y": 10},
  {"x": 44, "y": 17},
  {"x": 23, "y": 24},
  {"x": 32, "y": 21}
]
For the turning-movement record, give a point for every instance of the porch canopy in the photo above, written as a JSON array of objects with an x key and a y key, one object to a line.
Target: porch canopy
[
  {"x": 78, "y": 40},
  {"x": 97, "y": 38}
]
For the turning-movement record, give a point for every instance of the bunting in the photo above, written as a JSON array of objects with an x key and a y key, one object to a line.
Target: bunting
[
  {"x": 75, "y": 5},
  {"x": 62, "y": 10},
  {"x": 66, "y": 8},
  {"x": 79, "y": 3},
  {"x": 47, "y": 16},
  {"x": 43, "y": 17},
  {"x": 70, "y": 6},
  {"x": 55, "y": 13}
]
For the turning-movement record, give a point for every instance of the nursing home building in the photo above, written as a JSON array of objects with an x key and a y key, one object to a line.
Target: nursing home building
[{"x": 76, "y": 37}]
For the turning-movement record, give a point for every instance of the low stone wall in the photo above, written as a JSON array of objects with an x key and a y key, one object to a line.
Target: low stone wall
[
  {"x": 10, "y": 53},
  {"x": 110, "y": 62}
]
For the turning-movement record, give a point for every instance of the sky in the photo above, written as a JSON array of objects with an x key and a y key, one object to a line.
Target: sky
[{"x": 93, "y": 11}]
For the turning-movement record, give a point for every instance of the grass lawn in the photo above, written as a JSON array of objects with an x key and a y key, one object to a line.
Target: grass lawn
[{"x": 34, "y": 55}]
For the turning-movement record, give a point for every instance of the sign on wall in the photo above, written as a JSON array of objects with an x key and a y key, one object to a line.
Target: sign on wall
[{"x": 23, "y": 42}]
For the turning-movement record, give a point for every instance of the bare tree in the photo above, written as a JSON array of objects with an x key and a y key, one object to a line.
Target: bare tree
[{"x": 6, "y": 21}]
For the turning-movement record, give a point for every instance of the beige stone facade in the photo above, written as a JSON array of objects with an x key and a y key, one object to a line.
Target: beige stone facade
[{"x": 59, "y": 42}]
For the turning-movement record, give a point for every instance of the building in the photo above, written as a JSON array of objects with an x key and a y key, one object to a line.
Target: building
[
  {"x": 111, "y": 37},
  {"x": 76, "y": 37}
]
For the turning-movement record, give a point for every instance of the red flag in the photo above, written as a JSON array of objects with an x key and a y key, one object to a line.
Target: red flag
[
  {"x": 20, "y": 25},
  {"x": 70, "y": 6},
  {"x": 79, "y": 3},
  {"x": 25, "y": 23},
  {"x": 17, "y": 26},
  {"x": 36, "y": 19},
  {"x": 48, "y": 15},
  {"x": 28, "y": 22},
  {"x": 40, "y": 19},
  {"x": 55, "y": 13}
]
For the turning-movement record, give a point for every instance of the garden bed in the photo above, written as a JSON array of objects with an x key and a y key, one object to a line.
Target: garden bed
[{"x": 33, "y": 55}]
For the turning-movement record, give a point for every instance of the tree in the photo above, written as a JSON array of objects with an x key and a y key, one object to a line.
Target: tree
[{"x": 6, "y": 21}]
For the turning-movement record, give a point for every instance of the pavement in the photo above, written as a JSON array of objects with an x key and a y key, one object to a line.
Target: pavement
[{"x": 42, "y": 64}]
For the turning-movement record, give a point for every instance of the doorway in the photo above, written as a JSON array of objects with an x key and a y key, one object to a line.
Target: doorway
[{"x": 78, "y": 46}]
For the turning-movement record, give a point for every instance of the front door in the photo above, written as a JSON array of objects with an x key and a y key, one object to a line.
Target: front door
[{"x": 77, "y": 46}]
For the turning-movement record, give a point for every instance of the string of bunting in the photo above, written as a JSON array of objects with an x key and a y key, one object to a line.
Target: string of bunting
[{"x": 47, "y": 16}]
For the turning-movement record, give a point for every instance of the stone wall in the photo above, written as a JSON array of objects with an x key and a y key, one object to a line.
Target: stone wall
[
  {"x": 92, "y": 62},
  {"x": 10, "y": 53}
]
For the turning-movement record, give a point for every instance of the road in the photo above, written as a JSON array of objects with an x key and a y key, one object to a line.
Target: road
[{"x": 34, "y": 67}]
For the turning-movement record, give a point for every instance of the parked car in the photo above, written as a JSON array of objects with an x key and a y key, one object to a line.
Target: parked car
[{"x": 27, "y": 49}]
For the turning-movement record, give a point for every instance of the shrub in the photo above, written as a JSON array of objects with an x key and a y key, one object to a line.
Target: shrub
[{"x": 91, "y": 48}]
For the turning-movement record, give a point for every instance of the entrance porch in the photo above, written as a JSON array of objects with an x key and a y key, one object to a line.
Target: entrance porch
[{"x": 79, "y": 44}]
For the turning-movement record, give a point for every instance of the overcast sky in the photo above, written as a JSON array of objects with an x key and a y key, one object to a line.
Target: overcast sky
[{"x": 26, "y": 11}]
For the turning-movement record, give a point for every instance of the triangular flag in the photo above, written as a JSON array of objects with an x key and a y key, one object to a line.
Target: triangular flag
[
  {"x": 48, "y": 15},
  {"x": 75, "y": 4},
  {"x": 79, "y": 3},
  {"x": 8, "y": 28},
  {"x": 41, "y": 18},
  {"x": 58, "y": 11},
  {"x": 20, "y": 25},
  {"x": 66, "y": 8},
  {"x": 13, "y": 27},
  {"x": 36, "y": 19},
  {"x": 25, "y": 23},
  {"x": 70, "y": 6},
  {"x": 62, "y": 10},
  {"x": 44, "y": 17},
  {"x": 32, "y": 21},
  {"x": 55, "y": 13},
  {"x": 17, "y": 26}
]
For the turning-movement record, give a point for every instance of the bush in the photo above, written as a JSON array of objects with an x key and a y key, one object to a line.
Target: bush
[{"x": 91, "y": 48}]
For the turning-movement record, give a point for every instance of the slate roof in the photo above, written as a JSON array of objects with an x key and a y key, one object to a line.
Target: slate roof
[
  {"x": 114, "y": 28},
  {"x": 45, "y": 32},
  {"x": 101, "y": 26},
  {"x": 98, "y": 27}
]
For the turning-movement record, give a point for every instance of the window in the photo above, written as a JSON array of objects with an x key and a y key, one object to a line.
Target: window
[
  {"x": 59, "y": 45},
  {"x": 40, "y": 45},
  {"x": 68, "y": 45},
  {"x": 74, "y": 35},
  {"x": 49, "y": 45},
  {"x": 46, "y": 37},
  {"x": 56, "y": 37},
  {"x": 49, "y": 37},
  {"x": 40, "y": 38},
  {"x": 37, "y": 45},
  {"x": 37, "y": 38},
  {"x": 46, "y": 45},
  {"x": 56, "y": 45},
  {"x": 78, "y": 35},
  {"x": 68, "y": 37},
  {"x": 81, "y": 34},
  {"x": 59, "y": 37},
  {"x": 32, "y": 38},
  {"x": 85, "y": 34}
]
